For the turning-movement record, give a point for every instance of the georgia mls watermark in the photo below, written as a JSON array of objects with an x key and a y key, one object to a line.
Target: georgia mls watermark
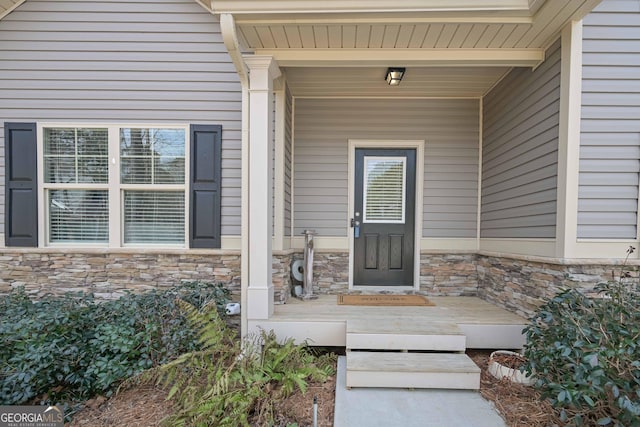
[{"x": 31, "y": 416}]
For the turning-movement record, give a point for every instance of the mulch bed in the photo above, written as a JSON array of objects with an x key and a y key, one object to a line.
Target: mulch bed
[
  {"x": 142, "y": 406},
  {"x": 145, "y": 406},
  {"x": 519, "y": 405}
]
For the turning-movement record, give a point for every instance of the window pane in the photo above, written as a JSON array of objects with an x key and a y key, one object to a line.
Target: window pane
[
  {"x": 153, "y": 217},
  {"x": 169, "y": 170},
  {"x": 152, "y": 156},
  {"x": 75, "y": 155},
  {"x": 78, "y": 216},
  {"x": 136, "y": 170},
  {"x": 384, "y": 192}
]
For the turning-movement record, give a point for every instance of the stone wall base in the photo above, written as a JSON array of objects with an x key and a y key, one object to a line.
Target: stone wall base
[
  {"x": 439, "y": 274},
  {"x": 330, "y": 274},
  {"x": 448, "y": 275},
  {"x": 521, "y": 286},
  {"x": 108, "y": 275},
  {"x": 517, "y": 285}
]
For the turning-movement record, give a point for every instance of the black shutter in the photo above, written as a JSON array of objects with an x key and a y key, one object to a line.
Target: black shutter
[
  {"x": 21, "y": 185},
  {"x": 206, "y": 173}
]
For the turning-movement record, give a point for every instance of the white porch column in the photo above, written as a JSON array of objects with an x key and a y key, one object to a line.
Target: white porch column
[{"x": 262, "y": 71}]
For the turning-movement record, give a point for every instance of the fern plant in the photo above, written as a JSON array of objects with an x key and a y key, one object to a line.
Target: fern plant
[{"x": 232, "y": 383}]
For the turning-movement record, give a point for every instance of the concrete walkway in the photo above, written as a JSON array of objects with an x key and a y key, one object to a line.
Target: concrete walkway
[{"x": 371, "y": 407}]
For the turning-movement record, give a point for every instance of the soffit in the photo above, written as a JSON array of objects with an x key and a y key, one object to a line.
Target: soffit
[
  {"x": 6, "y": 6},
  {"x": 447, "y": 82},
  {"x": 518, "y": 29}
]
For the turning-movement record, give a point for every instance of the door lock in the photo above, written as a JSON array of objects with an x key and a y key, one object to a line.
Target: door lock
[{"x": 356, "y": 227}]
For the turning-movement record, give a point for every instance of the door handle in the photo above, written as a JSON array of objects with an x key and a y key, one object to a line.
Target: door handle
[{"x": 356, "y": 227}]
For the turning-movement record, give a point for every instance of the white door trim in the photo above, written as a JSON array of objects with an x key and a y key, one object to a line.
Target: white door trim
[{"x": 418, "y": 145}]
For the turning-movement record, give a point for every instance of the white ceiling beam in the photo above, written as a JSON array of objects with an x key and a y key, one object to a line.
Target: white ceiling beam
[
  {"x": 324, "y": 19},
  {"x": 341, "y": 6},
  {"x": 404, "y": 57}
]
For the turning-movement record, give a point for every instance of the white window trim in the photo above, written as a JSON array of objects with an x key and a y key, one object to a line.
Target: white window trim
[{"x": 114, "y": 187}]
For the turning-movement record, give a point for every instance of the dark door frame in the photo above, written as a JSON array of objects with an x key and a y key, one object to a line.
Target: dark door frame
[{"x": 418, "y": 145}]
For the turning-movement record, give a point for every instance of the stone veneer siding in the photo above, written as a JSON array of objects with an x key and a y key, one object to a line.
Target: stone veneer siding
[
  {"x": 521, "y": 285},
  {"x": 282, "y": 281},
  {"x": 448, "y": 275},
  {"x": 109, "y": 274},
  {"x": 517, "y": 284},
  {"x": 439, "y": 274},
  {"x": 330, "y": 273}
]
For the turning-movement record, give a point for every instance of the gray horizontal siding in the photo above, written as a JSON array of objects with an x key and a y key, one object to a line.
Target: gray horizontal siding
[
  {"x": 610, "y": 127},
  {"x": 148, "y": 61},
  {"x": 450, "y": 129},
  {"x": 520, "y": 153}
]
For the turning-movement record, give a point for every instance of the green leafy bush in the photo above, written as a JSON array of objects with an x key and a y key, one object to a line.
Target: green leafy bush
[
  {"x": 233, "y": 383},
  {"x": 585, "y": 354},
  {"x": 72, "y": 347}
]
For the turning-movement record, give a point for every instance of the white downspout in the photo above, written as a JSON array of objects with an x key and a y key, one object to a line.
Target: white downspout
[{"x": 230, "y": 38}]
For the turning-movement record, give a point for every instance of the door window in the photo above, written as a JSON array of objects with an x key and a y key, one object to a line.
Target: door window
[{"x": 384, "y": 189}]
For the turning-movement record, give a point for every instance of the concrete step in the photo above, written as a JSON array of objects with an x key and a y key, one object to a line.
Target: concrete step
[
  {"x": 377, "y": 334},
  {"x": 412, "y": 370}
]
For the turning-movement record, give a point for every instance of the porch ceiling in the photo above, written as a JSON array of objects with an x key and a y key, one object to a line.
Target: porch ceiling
[
  {"x": 417, "y": 82},
  {"x": 408, "y": 32}
]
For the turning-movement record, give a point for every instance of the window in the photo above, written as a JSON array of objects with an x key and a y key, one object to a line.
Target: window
[
  {"x": 115, "y": 185},
  {"x": 109, "y": 185},
  {"x": 384, "y": 189},
  {"x": 152, "y": 175},
  {"x": 76, "y": 178}
]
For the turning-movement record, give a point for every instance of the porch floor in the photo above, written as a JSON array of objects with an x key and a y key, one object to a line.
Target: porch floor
[{"x": 323, "y": 322}]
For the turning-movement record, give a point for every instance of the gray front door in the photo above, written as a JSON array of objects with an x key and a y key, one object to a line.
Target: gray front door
[{"x": 384, "y": 217}]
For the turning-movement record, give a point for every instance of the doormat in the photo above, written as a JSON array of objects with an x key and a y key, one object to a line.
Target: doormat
[{"x": 384, "y": 300}]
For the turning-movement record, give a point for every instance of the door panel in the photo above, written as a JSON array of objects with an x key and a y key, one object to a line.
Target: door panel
[{"x": 384, "y": 217}]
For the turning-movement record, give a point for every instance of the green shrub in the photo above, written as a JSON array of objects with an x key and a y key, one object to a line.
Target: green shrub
[
  {"x": 72, "y": 347},
  {"x": 585, "y": 354},
  {"x": 233, "y": 383}
]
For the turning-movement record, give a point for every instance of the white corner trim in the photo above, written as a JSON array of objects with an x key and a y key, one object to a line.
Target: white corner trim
[
  {"x": 292, "y": 190},
  {"x": 279, "y": 168},
  {"x": 480, "y": 151},
  {"x": 569, "y": 141}
]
